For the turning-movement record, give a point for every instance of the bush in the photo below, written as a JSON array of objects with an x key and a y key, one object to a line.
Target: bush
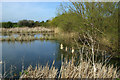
[{"x": 7, "y": 24}]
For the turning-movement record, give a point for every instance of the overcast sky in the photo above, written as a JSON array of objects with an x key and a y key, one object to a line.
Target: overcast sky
[{"x": 37, "y": 11}]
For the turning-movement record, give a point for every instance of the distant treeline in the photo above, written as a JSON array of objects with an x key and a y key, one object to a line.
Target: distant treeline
[{"x": 25, "y": 23}]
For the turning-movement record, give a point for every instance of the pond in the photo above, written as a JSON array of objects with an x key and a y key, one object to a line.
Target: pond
[
  {"x": 21, "y": 54},
  {"x": 18, "y": 54}
]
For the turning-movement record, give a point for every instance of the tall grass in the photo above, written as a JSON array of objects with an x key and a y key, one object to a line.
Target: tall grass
[
  {"x": 40, "y": 72},
  {"x": 86, "y": 70},
  {"x": 27, "y": 30},
  {"x": 68, "y": 70}
]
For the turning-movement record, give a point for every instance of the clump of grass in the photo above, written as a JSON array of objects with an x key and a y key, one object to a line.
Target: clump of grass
[
  {"x": 7, "y": 39},
  {"x": 36, "y": 38},
  {"x": 12, "y": 38},
  {"x": 18, "y": 38},
  {"x": 40, "y": 72},
  {"x": 41, "y": 38}
]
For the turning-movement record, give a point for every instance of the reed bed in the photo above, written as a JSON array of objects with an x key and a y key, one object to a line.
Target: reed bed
[
  {"x": 27, "y": 34},
  {"x": 86, "y": 70},
  {"x": 69, "y": 70},
  {"x": 26, "y": 38},
  {"x": 40, "y": 72},
  {"x": 27, "y": 30}
]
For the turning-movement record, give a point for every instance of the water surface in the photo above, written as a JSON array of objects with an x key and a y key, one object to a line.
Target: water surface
[{"x": 20, "y": 54}]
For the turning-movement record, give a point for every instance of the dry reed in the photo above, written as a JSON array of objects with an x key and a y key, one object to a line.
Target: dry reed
[
  {"x": 69, "y": 70},
  {"x": 26, "y": 30},
  {"x": 40, "y": 72}
]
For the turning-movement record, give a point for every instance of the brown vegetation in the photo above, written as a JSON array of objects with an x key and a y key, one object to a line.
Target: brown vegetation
[
  {"x": 26, "y": 30},
  {"x": 69, "y": 70}
]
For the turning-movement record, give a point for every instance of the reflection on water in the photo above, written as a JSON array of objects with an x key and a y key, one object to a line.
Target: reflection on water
[
  {"x": 29, "y": 53},
  {"x": 38, "y": 35},
  {"x": 6, "y": 35}
]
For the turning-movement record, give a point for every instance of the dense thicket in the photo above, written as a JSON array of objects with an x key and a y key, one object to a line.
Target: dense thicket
[
  {"x": 84, "y": 15},
  {"x": 100, "y": 18}
]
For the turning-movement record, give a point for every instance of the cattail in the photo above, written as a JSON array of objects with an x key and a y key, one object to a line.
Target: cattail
[
  {"x": 66, "y": 48},
  {"x": 72, "y": 50},
  {"x": 61, "y": 46}
]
